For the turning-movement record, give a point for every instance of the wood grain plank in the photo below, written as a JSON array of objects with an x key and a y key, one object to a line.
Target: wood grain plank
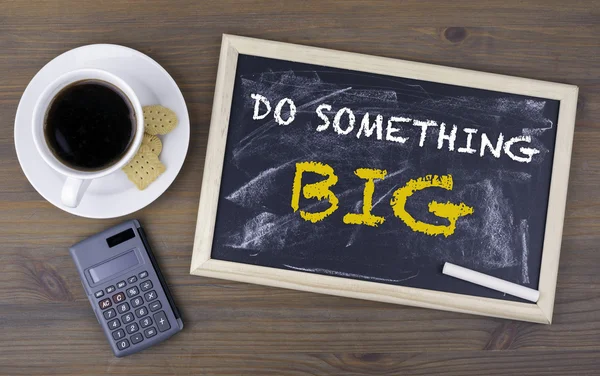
[
  {"x": 329, "y": 12},
  {"x": 189, "y": 362}
]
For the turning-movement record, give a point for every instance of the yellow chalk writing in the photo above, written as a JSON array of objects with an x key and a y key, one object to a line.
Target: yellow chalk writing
[
  {"x": 366, "y": 218},
  {"x": 319, "y": 190},
  {"x": 447, "y": 210}
]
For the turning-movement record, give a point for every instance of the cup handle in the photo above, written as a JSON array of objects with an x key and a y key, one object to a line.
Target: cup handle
[{"x": 73, "y": 190}]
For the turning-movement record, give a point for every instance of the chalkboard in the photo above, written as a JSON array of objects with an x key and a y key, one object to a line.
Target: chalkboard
[{"x": 383, "y": 178}]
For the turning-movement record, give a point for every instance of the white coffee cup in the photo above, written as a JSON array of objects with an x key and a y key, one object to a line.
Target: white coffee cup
[{"x": 77, "y": 181}]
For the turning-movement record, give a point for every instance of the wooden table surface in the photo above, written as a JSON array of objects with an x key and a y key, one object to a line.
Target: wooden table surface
[{"x": 46, "y": 324}]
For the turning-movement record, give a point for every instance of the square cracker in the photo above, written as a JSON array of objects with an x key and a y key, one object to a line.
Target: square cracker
[
  {"x": 159, "y": 119},
  {"x": 153, "y": 142},
  {"x": 144, "y": 168}
]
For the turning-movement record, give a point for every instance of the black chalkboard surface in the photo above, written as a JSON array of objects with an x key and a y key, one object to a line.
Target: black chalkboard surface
[
  {"x": 257, "y": 224},
  {"x": 361, "y": 176}
]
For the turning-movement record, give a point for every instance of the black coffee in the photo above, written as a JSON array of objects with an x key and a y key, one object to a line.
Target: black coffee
[{"x": 90, "y": 125}]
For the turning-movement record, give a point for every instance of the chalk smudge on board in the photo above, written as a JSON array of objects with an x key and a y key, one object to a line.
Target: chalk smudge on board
[
  {"x": 350, "y": 275},
  {"x": 506, "y": 175},
  {"x": 530, "y": 109},
  {"x": 357, "y": 209},
  {"x": 503, "y": 175},
  {"x": 524, "y": 232},
  {"x": 529, "y": 113},
  {"x": 497, "y": 226},
  {"x": 268, "y": 231},
  {"x": 257, "y": 190},
  {"x": 494, "y": 227},
  {"x": 258, "y": 233}
]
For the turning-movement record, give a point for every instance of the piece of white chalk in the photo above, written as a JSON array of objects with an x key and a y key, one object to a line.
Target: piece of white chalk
[{"x": 491, "y": 282}]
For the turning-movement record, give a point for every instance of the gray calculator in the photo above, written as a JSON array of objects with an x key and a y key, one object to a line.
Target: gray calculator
[{"x": 127, "y": 291}]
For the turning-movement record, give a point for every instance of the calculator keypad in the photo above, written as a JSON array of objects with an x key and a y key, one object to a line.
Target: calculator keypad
[
  {"x": 127, "y": 318},
  {"x": 137, "y": 338},
  {"x": 150, "y": 296},
  {"x": 118, "y": 334},
  {"x": 150, "y": 332},
  {"x": 140, "y": 314},
  {"x": 118, "y": 298},
  {"x": 132, "y": 328},
  {"x": 122, "y": 345},
  {"x": 105, "y": 303},
  {"x": 145, "y": 322},
  {"x": 155, "y": 306},
  {"x": 110, "y": 314},
  {"x": 123, "y": 307},
  {"x": 147, "y": 285},
  {"x": 132, "y": 291},
  {"x": 161, "y": 321},
  {"x": 114, "y": 324}
]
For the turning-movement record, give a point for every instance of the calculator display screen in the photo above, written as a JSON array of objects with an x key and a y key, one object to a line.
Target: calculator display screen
[{"x": 114, "y": 266}]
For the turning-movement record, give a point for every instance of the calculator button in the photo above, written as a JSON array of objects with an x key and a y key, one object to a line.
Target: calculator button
[
  {"x": 136, "y": 338},
  {"x": 150, "y": 296},
  {"x": 132, "y": 279},
  {"x": 118, "y": 334},
  {"x": 118, "y": 298},
  {"x": 150, "y": 332},
  {"x": 110, "y": 289},
  {"x": 161, "y": 321},
  {"x": 132, "y": 328},
  {"x": 105, "y": 303},
  {"x": 146, "y": 286},
  {"x": 132, "y": 291},
  {"x": 114, "y": 324},
  {"x": 145, "y": 322},
  {"x": 127, "y": 318},
  {"x": 155, "y": 306},
  {"x": 121, "y": 284},
  {"x": 122, "y": 345},
  {"x": 136, "y": 302},
  {"x": 140, "y": 312},
  {"x": 99, "y": 294},
  {"x": 110, "y": 314},
  {"x": 122, "y": 308},
  {"x": 143, "y": 274}
]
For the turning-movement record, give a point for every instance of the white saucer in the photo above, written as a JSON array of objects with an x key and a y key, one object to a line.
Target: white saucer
[{"x": 113, "y": 195}]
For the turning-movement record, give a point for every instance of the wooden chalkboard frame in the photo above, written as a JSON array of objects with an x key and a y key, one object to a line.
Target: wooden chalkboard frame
[{"x": 203, "y": 265}]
